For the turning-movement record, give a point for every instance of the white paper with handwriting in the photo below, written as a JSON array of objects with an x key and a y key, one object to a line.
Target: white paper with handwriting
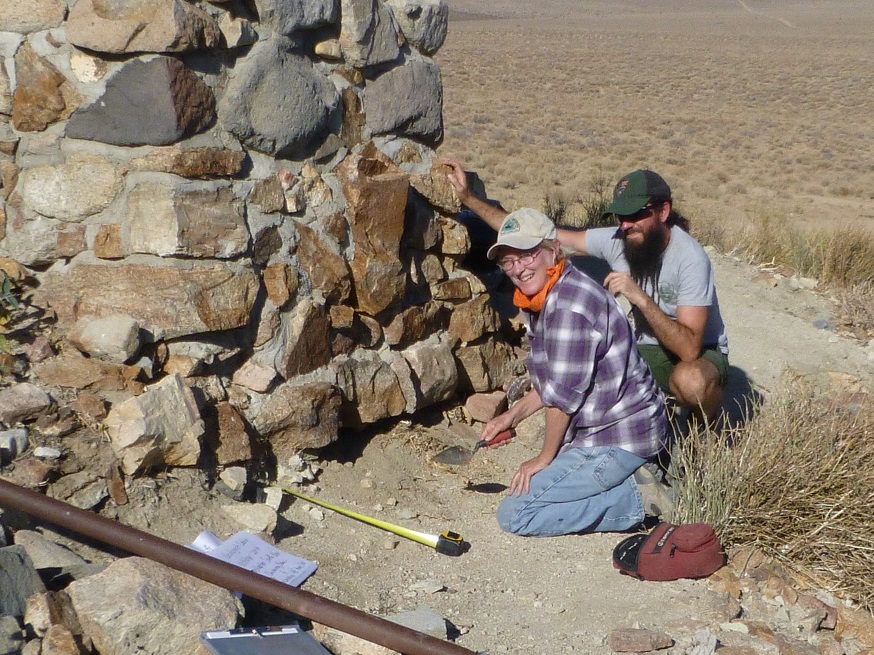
[{"x": 250, "y": 552}]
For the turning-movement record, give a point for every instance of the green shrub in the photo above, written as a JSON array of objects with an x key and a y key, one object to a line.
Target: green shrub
[{"x": 8, "y": 301}]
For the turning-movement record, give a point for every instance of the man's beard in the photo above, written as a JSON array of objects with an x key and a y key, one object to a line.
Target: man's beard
[{"x": 645, "y": 260}]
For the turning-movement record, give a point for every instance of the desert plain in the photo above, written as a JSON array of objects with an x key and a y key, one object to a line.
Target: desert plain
[{"x": 748, "y": 109}]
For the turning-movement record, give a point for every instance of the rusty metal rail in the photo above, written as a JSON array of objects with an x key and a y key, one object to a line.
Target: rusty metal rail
[{"x": 335, "y": 615}]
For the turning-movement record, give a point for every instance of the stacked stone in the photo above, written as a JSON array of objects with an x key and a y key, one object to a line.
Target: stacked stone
[{"x": 246, "y": 195}]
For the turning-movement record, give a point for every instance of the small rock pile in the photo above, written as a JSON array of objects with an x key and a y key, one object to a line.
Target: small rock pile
[{"x": 760, "y": 609}]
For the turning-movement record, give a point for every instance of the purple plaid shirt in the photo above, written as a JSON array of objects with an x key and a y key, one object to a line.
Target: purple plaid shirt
[{"x": 584, "y": 360}]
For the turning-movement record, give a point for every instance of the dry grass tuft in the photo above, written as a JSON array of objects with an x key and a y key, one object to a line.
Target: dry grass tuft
[
  {"x": 838, "y": 258},
  {"x": 856, "y": 306},
  {"x": 797, "y": 481},
  {"x": 841, "y": 260},
  {"x": 581, "y": 210}
]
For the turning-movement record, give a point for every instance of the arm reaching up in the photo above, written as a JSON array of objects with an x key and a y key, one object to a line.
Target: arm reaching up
[{"x": 491, "y": 215}]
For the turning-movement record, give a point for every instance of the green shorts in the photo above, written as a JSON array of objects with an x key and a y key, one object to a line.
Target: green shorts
[{"x": 662, "y": 363}]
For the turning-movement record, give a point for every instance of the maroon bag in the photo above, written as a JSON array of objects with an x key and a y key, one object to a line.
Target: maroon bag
[{"x": 670, "y": 552}]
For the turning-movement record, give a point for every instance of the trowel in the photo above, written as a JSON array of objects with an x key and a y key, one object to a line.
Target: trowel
[{"x": 459, "y": 455}]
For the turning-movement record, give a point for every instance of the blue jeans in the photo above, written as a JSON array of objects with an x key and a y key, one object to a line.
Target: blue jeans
[{"x": 582, "y": 490}]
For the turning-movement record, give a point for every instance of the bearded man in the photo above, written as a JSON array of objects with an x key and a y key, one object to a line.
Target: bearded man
[{"x": 663, "y": 273}]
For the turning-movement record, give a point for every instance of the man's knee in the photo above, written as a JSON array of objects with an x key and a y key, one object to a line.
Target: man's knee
[{"x": 696, "y": 380}]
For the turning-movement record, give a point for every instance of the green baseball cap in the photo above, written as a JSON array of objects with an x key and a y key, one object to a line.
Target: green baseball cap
[{"x": 635, "y": 190}]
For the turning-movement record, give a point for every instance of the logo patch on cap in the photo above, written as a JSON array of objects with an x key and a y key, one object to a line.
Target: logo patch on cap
[
  {"x": 620, "y": 186},
  {"x": 510, "y": 226}
]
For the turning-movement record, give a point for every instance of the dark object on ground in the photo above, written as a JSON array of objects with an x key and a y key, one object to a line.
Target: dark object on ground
[{"x": 670, "y": 552}]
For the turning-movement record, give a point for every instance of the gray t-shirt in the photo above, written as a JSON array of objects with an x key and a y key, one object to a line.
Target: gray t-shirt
[{"x": 686, "y": 279}]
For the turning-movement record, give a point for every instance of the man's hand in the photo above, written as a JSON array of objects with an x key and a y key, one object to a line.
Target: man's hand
[
  {"x": 617, "y": 282},
  {"x": 521, "y": 482},
  {"x": 457, "y": 179},
  {"x": 681, "y": 336}
]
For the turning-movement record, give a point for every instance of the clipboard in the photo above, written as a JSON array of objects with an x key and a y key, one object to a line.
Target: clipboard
[{"x": 273, "y": 640}]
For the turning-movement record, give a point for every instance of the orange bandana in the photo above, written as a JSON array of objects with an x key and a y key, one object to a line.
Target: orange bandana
[{"x": 535, "y": 303}]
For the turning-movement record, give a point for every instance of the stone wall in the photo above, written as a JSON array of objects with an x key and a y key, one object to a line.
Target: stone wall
[{"x": 235, "y": 212}]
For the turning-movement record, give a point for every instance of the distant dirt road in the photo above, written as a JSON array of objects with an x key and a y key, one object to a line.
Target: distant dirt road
[{"x": 759, "y": 13}]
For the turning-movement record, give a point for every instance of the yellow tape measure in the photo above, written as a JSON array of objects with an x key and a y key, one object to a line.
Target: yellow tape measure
[{"x": 446, "y": 543}]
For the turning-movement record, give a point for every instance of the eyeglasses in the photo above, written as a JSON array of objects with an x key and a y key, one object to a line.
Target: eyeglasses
[
  {"x": 648, "y": 210},
  {"x": 507, "y": 264}
]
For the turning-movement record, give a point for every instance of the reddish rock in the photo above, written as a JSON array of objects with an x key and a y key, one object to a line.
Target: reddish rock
[
  {"x": 342, "y": 344},
  {"x": 760, "y": 630},
  {"x": 323, "y": 265},
  {"x": 456, "y": 240},
  {"x": 376, "y": 195},
  {"x": 454, "y": 289},
  {"x": 280, "y": 281},
  {"x": 726, "y": 580},
  {"x": 815, "y": 604},
  {"x": 335, "y": 226},
  {"x": 485, "y": 366},
  {"x": 483, "y": 407},
  {"x": 107, "y": 242},
  {"x": 473, "y": 319},
  {"x": 415, "y": 323},
  {"x": 775, "y": 586},
  {"x": 268, "y": 195},
  {"x": 59, "y": 640},
  {"x": 40, "y": 349},
  {"x": 380, "y": 281},
  {"x": 31, "y": 472},
  {"x": 353, "y": 118},
  {"x": 297, "y": 417},
  {"x": 368, "y": 331},
  {"x": 342, "y": 316},
  {"x": 73, "y": 371},
  {"x": 43, "y": 96},
  {"x": 828, "y": 645},
  {"x": 8, "y": 178},
  {"x": 71, "y": 241},
  {"x": 204, "y": 163},
  {"x": 233, "y": 440},
  {"x": 436, "y": 188},
  {"x": 855, "y": 623},
  {"x": 9, "y": 146},
  {"x": 307, "y": 341},
  {"x": 115, "y": 485},
  {"x": 166, "y": 300}
]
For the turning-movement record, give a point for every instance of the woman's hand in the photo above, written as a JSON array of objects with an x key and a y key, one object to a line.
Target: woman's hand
[
  {"x": 521, "y": 481},
  {"x": 494, "y": 427}
]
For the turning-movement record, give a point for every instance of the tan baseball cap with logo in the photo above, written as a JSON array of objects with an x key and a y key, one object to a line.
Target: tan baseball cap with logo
[{"x": 523, "y": 229}]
